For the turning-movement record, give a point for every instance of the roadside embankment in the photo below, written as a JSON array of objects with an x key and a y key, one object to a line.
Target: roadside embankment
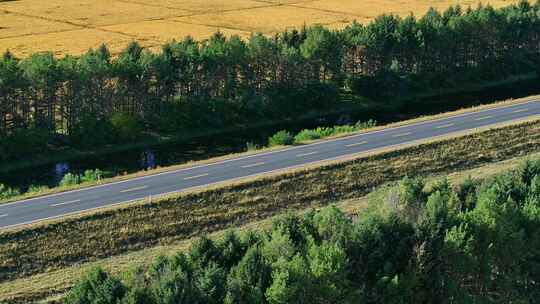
[{"x": 88, "y": 237}]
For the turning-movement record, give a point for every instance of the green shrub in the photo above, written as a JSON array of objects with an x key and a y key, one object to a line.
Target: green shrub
[
  {"x": 281, "y": 138},
  {"x": 37, "y": 188},
  {"x": 322, "y": 132},
  {"x": 92, "y": 176},
  {"x": 306, "y": 135},
  {"x": 325, "y": 131},
  {"x": 70, "y": 179},
  {"x": 343, "y": 129},
  {"x": 8, "y": 192},
  {"x": 365, "y": 125}
]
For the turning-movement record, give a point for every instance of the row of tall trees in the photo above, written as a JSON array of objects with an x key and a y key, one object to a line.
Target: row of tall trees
[
  {"x": 473, "y": 243},
  {"x": 223, "y": 81}
]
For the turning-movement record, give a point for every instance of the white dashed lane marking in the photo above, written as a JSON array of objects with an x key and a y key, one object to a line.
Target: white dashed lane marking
[
  {"x": 66, "y": 203},
  {"x": 357, "y": 144},
  {"x": 444, "y": 126},
  {"x": 403, "y": 134},
  {"x": 306, "y": 154},
  {"x": 196, "y": 176},
  {"x": 253, "y": 165},
  {"x": 134, "y": 189},
  {"x": 484, "y": 117}
]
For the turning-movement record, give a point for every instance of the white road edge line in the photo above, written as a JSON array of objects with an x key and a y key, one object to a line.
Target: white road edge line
[
  {"x": 306, "y": 154},
  {"x": 195, "y": 176},
  {"x": 65, "y": 203},
  {"x": 134, "y": 189},
  {"x": 357, "y": 144},
  {"x": 253, "y": 165},
  {"x": 240, "y": 178},
  {"x": 277, "y": 151}
]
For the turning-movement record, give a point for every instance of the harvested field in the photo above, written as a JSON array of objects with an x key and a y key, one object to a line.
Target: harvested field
[
  {"x": 270, "y": 19},
  {"x": 202, "y": 7},
  {"x": 28, "y": 26},
  {"x": 162, "y": 30},
  {"x": 370, "y": 9},
  {"x": 65, "y": 42},
  {"x": 16, "y": 26}
]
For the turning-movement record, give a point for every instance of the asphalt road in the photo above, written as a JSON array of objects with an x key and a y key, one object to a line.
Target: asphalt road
[{"x": 46, "y": 207}]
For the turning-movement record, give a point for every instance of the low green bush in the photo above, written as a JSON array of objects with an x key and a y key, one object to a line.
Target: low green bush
[
  {"x": 71, "y": 179},
  {"x": 306, "y": 135},
  {"x": 343, "y": 129},
  {"x": 325, "y": 131},
  {"x": 92, "y": 176},
  {"x": 322, "y": 132},
  {"x": 281, "y": 138},
  {"x": 8, "y": 192},
  {"x": 37, "y": 188},
  {"x": 360, "y": 125}
]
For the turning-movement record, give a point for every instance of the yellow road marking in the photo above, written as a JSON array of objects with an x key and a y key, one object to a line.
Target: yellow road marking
[
  {"x": 520, "y": 110},
  {"x": 306, "y": 154},
  {"x": 66, "y": 203},
  {"x": 253, "y": 165},
  {"x": 196, "y": 176},
  {"x": 403, "y": 134},
  {"x": 134, "y": 189},
  {"x": 485, "y": 117},
  {"x": 357, "y": 144},
  {"x": 444, "y": 126}
]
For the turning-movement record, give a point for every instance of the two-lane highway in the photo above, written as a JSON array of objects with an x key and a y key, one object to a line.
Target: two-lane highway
[{"x": 46, "y": 207}]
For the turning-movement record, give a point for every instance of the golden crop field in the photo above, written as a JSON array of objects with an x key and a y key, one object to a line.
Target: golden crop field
[{"x": 73, "y": 26}]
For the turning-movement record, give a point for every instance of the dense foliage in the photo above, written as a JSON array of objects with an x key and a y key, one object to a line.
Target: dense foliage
[
  {"x": 478, "y": 242},
  {"x": 284, "y": 137},
  {"x": 192, "y": 85}
]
